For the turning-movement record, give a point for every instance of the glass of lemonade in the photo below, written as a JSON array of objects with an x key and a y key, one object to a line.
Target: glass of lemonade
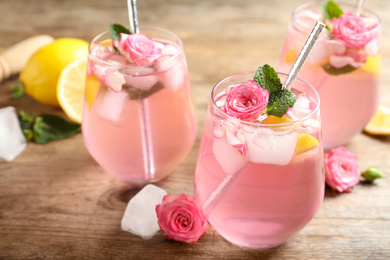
[
  {"x": 138, "y": 117},
  {"x": 260, "y": 182},
  {"x": 344, "y": 67}
]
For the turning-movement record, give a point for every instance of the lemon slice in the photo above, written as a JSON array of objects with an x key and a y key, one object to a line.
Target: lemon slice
[
  {"x": 380, "y": 123},
  {"x": 276, "y": 120},
  {"x": 305, "y": 142},
  {"x": 70, "y": 89},
  {"x": 373, "y": 64}
]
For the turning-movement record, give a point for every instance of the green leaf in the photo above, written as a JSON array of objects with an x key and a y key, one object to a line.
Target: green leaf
[
  {"x": 286, "y": 99},
  {"x": 17, "y": 90},
  {"x": 330, "y": 9},
  {"x": 337, "y": 71},
  {"x": 137, "y": 94},
  {"x": 50, "y": 127},
  {"x": 26, "y": 122},
  {"x": 116, "y": 30},
  {"x": 280, "y": 99},
  {"x": 267, "y": 78},
  {"x": 44, "y": 128}
]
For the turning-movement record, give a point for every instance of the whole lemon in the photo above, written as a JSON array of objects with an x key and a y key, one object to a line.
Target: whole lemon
[{"x": 41, "y": 73}]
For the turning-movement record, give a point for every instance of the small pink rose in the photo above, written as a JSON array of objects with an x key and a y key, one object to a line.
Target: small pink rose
[
  {"x": 351, "y": 30},
  {"x": 341, "y": 169},
  {"x": 246, "y": 101},
  {"x": 180, "y": 218},
  {"x": 138, "y": 48}
]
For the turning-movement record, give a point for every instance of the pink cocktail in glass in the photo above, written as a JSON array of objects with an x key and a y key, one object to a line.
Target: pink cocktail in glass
[
  {"x": 344, "y": 71},
  {"x": 262, "y": 192},
  {"x": 143, "y": 131}
]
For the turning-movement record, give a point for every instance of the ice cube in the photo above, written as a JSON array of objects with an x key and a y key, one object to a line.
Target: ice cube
[
  {"x": 269, "y": 147},
  {"x": 12, "y": 141},
  {"x": 112, "y": 105},
  {"x": 140, "y": 215},
  {"x": 142, "y": 78},
  {"x": 228, "y": 157},
  {"x": 175, "y": 71},
  {"x": 309, "y": 18}
]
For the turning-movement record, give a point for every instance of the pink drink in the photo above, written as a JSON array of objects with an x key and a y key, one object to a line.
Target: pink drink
[
  {"x": 262, "y": 197},
  {"x": 142, "y": 132},
  {"x": 349, "y": 100}
]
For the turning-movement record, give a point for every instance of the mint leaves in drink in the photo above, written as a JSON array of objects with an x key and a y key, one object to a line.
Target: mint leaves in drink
[
  {"x": 330, "y": 9},
  {"x": 45, "y": 127},
  {"x": 280, "y": 99},
  {"x": 116, "y": 30}
]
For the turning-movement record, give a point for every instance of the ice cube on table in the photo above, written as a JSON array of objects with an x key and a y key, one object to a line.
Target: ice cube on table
[
  {"x": 12, "y": 140},
  {"x": 112, "y": 105},
  {"x": 140, "y": 215},
  {"x": 269, "y": 147}
]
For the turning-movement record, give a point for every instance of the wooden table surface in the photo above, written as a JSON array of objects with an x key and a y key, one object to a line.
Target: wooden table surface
[{"x": 55, "y": 200}]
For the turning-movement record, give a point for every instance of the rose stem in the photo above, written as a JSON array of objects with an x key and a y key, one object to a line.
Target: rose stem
[
  {"x": 359, "y": 7},
  {"x": 144, "y": 112},
  {"x": 217, "y": 194},
  {"x": 303, "y": 54}
]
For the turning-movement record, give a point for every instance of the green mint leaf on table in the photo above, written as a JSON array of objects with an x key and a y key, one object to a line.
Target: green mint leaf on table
[
  {"x": 44, "y": 128},
  {"x": 17, "y": 90},
  {"x": 116, "y": 30},
  {"x": 280, "y": 99},
  {"x": 330, "y": 10},
  {"x": 337, "y": 71}
]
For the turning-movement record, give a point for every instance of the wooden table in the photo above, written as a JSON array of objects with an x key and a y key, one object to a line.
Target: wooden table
[{"x": 56, "y": 202}]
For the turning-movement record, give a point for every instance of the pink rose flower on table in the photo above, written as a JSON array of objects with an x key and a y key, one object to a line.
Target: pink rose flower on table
[
  {"x": 137, "y": 48},
  {"x": 246, "y": 101},
  {"x": 180, "y": 218},
  {"x": 351, "y": 30},
  {"x": 341, "y": 169}
]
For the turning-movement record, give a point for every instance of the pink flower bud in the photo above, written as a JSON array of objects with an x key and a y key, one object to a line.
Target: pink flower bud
[
  {"x": 246, "y": 101},
  {"x": 341, "y": 169},
  {"x": 138, "y": 48},
  {"x": 180, "y": 218},
  {"x": 351, "y": 30}
]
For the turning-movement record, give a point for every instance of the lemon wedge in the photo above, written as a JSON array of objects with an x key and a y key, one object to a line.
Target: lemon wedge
[
  {"x": 380, "y": 123},
  {"x": 70, "y": 89},
  {"x": 305, "y": 142},
  {"x": 373, "y": 64}
]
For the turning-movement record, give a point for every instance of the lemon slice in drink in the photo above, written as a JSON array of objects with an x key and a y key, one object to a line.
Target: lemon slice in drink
[
  {"x": 373, "y": 64},
  {"x": 70, "y": 89},
  {"x": 380, "y": 123},
  {"x": 276, "y": 120},
  {"x": 305, "y": 142}
]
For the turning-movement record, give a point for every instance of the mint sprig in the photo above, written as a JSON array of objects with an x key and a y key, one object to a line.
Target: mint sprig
[
  {"x": 280, "y": 99},
  {"x": 337, "y": 71},
  {"x": 45, "y": 127},
  {"x": 116, "y": 30},
  {"x": 330, "y": 9}
]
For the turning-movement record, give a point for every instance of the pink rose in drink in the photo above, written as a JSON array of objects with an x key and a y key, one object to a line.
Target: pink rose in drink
[
  {"x": 341, "y": 169},
  {"x": 180, "y": 218},
  {"x": 351, "y": 30},
  {"x": 246, "y": 101},
  {"x": 138, "y": 48}
]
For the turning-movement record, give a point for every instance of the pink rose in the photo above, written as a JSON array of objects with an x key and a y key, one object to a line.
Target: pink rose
[
  {"x": 138, "y": 48},
  {"x": 351, "y": 30},
  {"x": 180, "y": 218},
  {"x": 246, "y": 101},
  {"x": 341, "y": 169}
]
